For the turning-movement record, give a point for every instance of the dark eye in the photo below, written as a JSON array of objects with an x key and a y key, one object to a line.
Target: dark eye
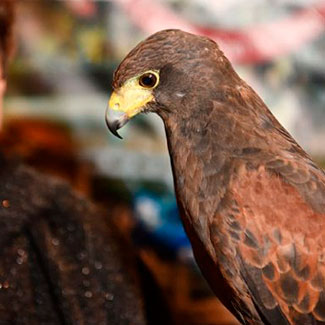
[{"x": 148, "y": 80}]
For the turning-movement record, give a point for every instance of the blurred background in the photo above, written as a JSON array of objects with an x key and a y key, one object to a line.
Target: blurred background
[{"x": 58, "y": 86}]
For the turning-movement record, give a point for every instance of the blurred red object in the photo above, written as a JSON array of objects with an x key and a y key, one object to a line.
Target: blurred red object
[
  {"x": 82, "y": 8},
  {"x": 253, "y": 44},
  {"x": 47, "y": 146}
]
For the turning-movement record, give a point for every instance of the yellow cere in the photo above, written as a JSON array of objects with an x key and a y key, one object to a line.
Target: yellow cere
[{"x": 132, "y": 97}]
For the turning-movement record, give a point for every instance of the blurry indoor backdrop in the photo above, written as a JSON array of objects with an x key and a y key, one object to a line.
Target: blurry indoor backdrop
[{"x": 59, "y": 84}]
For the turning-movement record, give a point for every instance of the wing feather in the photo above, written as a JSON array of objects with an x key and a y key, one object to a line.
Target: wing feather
[{"x": 280, "y": 239}]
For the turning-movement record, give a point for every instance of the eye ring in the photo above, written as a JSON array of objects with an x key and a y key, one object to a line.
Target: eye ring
[{"x": 148, "y": 80}]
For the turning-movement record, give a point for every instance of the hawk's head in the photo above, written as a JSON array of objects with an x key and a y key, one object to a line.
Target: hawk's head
[{"x": 170, "y": 72}]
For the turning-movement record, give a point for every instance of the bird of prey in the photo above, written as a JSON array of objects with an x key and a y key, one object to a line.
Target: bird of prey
[{"x": 251, "y": 200}]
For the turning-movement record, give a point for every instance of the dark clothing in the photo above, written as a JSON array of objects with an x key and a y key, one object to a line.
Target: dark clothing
[{"x": 60, "y": 262}]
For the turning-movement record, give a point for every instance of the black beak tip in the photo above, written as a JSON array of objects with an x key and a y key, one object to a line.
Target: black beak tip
[
  {"x": 117, "y": 135},
  {"x": 113, "y": 127}
]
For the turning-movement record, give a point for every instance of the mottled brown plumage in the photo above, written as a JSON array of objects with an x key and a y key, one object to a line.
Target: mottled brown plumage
[{"x": 251, "y": 200}]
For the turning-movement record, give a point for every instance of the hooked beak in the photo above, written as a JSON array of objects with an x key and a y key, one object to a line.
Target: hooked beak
[
  {"x": 126, "y": 102},
  {"x": 115, "y": 120}
]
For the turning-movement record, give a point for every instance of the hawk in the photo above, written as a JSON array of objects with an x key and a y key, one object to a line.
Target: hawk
[{"x": 251, "y": 200}]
